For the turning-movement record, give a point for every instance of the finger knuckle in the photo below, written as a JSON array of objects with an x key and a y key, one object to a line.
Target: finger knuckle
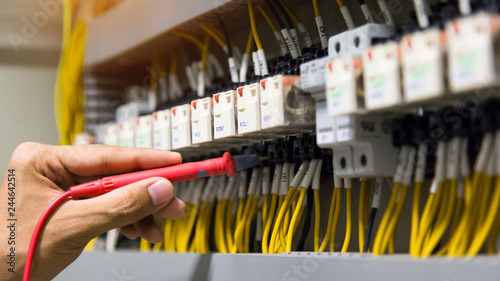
[{"x": 127, "y": 207}]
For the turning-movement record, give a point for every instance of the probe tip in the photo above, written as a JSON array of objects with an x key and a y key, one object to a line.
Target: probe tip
[{"x": 246, "y": 161}]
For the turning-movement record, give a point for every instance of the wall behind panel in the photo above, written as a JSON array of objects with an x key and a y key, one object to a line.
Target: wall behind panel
[{"x": 27, "y": 76}]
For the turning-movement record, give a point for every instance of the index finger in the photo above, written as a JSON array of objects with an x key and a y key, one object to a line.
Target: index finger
[{"x": 89, "y": 160}]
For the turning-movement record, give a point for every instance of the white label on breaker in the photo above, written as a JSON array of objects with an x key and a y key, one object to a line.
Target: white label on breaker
[
  {"x": 345, "y": 129},
  {"x": 326, "y": 137},
  {"x": 197, "y": 136},
  {"x": 243, "y": 124},
  {"x": 176, "y": 141},
  {"x": 159, "y": 139},
  {"x": 220, "y": 129},
  {"x": 266, "y": 119}
]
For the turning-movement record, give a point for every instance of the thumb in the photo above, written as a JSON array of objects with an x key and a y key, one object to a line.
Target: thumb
[{"x": 126, "y": 205}]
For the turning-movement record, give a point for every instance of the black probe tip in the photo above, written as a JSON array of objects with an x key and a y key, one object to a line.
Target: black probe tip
[{"x": 246, "y": 161}]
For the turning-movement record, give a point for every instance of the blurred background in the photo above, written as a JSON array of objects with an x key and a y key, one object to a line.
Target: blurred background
[{"x": 28, "y": 67}]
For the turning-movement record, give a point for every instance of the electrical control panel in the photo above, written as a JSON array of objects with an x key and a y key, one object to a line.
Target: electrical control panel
[{"x": 378, "y": 94}]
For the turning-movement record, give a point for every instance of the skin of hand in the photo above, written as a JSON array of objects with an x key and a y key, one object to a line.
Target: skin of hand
[{"x": 43, "y": 172}]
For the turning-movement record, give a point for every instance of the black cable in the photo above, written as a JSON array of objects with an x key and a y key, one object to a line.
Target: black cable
[
  {"x": 284, "y": 13},
  {"x": 276, "y": 15},
  {"x": 226, "y": 35},
  {"x": 361, "y": 2},
  {"x": 371, "y": 221},
  {"x": 307, "y": 223}
]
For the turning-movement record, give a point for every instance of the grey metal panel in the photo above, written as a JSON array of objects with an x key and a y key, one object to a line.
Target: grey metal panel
[{"x": 292, "y": 267}]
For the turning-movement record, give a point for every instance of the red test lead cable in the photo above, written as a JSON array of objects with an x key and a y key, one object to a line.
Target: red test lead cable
[{"x": 225, "y": 165}]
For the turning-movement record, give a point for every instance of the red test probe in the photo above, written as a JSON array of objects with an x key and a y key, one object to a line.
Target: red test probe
[{"x": 225, "y": 165}]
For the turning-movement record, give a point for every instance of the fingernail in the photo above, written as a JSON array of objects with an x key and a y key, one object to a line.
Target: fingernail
[{"x": 161, "y": 192}]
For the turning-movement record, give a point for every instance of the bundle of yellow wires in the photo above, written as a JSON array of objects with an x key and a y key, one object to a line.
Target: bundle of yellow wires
[{"x": 384, "y": 231}]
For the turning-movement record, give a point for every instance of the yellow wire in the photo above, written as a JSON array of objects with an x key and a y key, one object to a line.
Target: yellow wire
[
  {"x": 198, "y": 241},
  {"x": 279, "y": 219},
  {"x": 173, "y": 65},
  {"x": 428, "y": 217},
  {"x": 216, "y": 31},
  {"x": 317, "y": 219},
  {"x": 485, "y": 227},
  {"x": 286, "y": 221},
  {"x": 460, "y": 239},
  {"x": 484, "y": 199},
  {"x": 204, "y": 53},
  {"x": 253, "y": 26},
  {"x": 492, "y": 239},
  {"x": 299, "y": 219},
  {"x": 457, "y": 214},
  {"x": 228, "y": 228},
  {"x": 90, "y": 246},
  {"x": 219, "y": 226},
  {"x": 248, "y": 49},
  {"x": 348, "y": 226},
  {"x": 331, "y": 212},
  {"x": 252, "y": 213},
  {"x": 377, "y": 250},
  {"x": 189, "y": 228},
  {"x": 290, "y": 12},
  {"x": 157, "y": 247},
  {"x": 336, "y": 215},
  {"x": 268, "y": 19},
  {"x": 361, "y": 215},
  {"x": 389, "y": 238},
  {"x": 289, "y": 238},
  {"x": 214, "y": 36},
  {"x": 269, "y": 222},
  {"x": 265, "y": 199},
  {"x": 241, "y": 206},
  {"x": 206, "y": 228},
  {"x": 58, "y": 91},
  {"x": 153, "y": 81},
  {"x": 444, "y": 218},
  {"x": 468, "y": 190},
  {"x": 239, "y": 234},
  {"x": 316, "y": 8},
  {"x": 188, "y": 37},
  {"x": 167, "y": 236},
  {"x": 340, "y": 3},
  {"x": 145, "y": 246},
  {"x": 415, "y": 215}
]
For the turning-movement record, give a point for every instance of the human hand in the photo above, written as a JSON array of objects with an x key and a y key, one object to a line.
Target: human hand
[{"x": 44, "y": 172}]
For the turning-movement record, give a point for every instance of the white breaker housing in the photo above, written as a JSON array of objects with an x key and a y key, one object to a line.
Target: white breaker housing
[
  {"x": 224, "y": 115},
  {"x": 201, "y": 120},
  {"x": 144, "y": 132},
  {"x": 312, "y": 75},
  {"x": 126, "y": 132},
  {"x": 110, "y": 134},
  {"x": 368, "y": 137},
  {"x": 356, "y": 41},
  {"x": 161, "y": 130},
  {"x": 181, "y": 126}
]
